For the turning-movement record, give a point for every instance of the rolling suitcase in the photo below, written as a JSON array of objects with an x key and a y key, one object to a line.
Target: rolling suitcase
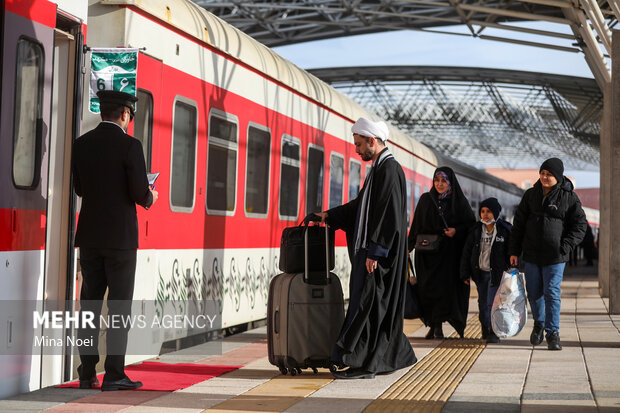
[{"x": 305, "y": 312}]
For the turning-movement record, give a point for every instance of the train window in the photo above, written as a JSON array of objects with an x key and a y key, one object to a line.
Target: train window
[
  {"x": 183, "y": 170},
  {"x": 28, "y": 122},
  {"x": 408, "y": 183},
  {"x": 222, "y": 163},
  {"x": 257, "y": 171},
  {"x": 336, "y": 179},
  {"x": 314, "y": 180},
  {"x": 355, "y": 179},
  {"x": 143, "y": 124},
  {"x": 289, "y": 178}
]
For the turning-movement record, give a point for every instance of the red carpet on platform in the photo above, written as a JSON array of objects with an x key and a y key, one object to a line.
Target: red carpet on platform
[{"x": 167, "y": 377}]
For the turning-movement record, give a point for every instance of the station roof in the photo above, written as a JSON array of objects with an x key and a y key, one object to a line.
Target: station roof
[
  {"x": 484, "y": 117},
  {"x": 277, "y": 23}
]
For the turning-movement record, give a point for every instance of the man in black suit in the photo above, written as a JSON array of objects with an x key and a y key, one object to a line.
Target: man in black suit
[{"x": 109, "y": 174}]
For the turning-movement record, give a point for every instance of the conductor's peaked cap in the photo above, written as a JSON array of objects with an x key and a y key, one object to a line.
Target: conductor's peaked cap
[{"x": 114, "y": 97}]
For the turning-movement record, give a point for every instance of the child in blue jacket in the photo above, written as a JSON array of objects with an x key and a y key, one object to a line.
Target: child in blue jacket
[{"x": 485, "y": 258}]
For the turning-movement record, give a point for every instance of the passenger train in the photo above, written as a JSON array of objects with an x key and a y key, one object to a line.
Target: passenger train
[{"x": 245, "y": 142}]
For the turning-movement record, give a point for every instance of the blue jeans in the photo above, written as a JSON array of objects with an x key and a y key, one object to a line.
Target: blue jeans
[
  {"x": 486, "y": 294},
  {"x": 544, "y": 293}
]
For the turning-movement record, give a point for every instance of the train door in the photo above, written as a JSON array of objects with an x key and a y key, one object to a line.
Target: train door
[
  {"x": 150, "y": 73},
  {"x": 59, "y": 261}
]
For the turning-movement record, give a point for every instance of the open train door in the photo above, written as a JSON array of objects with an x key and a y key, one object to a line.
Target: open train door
[{"x": 60, "y": 268}]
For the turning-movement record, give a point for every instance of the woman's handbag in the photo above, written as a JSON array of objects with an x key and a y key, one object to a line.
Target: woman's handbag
[
  {"x": 427, "y": 242},
  {"x": 430, "y": 242}
]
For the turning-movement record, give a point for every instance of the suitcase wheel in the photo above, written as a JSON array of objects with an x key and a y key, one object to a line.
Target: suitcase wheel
[
  {"x": 293, "y": 372},
  {"x": 284, "y": 370},
  {"x": 298, "y": 370},
  {"x": 315, "y": 370},
  {"x": 333, "y": 368}
]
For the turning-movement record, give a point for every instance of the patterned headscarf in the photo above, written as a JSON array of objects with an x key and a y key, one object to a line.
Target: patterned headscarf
[{"x": 445, "y": 177}]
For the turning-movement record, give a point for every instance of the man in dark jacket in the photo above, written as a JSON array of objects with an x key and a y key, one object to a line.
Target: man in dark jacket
[
  {"x": 485, "y": 258},
  {"x": 548, "y": 224},
  {"x": 109, "y": 173}
]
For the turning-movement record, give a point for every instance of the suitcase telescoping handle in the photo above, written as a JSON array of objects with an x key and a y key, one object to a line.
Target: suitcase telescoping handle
[{"x": 306, "y": 221}]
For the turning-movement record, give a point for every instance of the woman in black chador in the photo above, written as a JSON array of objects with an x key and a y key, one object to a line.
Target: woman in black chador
[{"x": 443, "y": 296}]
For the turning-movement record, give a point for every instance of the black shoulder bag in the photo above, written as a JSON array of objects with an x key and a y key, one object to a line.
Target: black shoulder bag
[{"x": 430, "y": 242}]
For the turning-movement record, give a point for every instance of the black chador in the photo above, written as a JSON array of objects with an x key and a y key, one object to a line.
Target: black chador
[
  {"x": 372, "y": 336},
  {"x": 443, "y": 296}
]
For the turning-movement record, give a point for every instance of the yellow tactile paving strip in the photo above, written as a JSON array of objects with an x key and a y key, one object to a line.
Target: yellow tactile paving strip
[
  {"x": 429, "y": 384},
  {"x": 276, "y": 395}
]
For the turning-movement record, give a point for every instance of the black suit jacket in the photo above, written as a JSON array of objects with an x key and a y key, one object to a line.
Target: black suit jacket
[{"x": 109, "y": 173}]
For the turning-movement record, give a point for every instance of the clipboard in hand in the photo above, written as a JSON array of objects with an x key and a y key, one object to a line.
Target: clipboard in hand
[{"x": 152, "y": 178}]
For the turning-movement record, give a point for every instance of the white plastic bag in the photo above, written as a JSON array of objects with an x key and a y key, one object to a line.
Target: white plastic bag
[{"x": 509, "y": 311}]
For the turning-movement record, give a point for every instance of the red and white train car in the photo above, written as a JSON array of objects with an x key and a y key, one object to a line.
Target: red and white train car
[{"x": 245, "y": 142}]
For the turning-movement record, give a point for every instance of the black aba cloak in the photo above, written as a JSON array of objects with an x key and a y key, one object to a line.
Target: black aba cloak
[
  {"x": 443, "y": 296},
  {"x": 372, "y": 336}
]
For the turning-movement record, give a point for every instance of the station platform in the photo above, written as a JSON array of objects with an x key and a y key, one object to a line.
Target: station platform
[{"x": 452, "y": 375}]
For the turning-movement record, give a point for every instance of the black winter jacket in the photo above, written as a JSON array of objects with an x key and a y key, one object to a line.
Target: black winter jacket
[
  {"x": 500, "y": 259},
  {"x": 547, "y": 228}
]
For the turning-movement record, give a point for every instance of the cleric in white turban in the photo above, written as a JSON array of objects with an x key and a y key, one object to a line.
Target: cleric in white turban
[
  {"x": 370, "y": 129},
  {"x": 371, "y": 340}
]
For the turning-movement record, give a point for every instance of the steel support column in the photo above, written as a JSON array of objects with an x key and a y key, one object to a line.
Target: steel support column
[{"x": 612, "y": 172}]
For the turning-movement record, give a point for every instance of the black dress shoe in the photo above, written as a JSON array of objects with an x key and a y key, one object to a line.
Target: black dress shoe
[
  {"x": 122, "y": 384},
  {"x": 354, "y": 374},
  {"x": 537, "y": 333},
  {"x": 553, "y": 341},
  {"x": 89, "y": 383}
]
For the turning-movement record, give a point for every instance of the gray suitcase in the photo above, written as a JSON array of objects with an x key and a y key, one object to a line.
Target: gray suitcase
[{"x": 305, "y": 312}]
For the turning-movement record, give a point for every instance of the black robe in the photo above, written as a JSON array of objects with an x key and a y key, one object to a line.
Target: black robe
[
  {"x": 443, "y": 295},
  {"x": 372, "y": 336}
]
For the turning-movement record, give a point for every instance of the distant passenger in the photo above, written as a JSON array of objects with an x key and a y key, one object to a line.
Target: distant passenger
[
  {"x": 110, "y": 175},
  {"x": 548, "y": 225},
  {"x": 443, "y": 211},
  {"x": 588, "y": 246},
  {"x": 371, "y": 340},
  {"x": 485, "y": 258}
]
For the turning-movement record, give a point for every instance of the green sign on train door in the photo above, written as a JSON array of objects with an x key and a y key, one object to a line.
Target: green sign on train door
[{"x": 112, "y": 69}]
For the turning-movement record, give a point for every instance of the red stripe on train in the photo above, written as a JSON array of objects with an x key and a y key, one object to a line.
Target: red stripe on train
[
  {"x": 40, "y": 11},
  {"x": 22, "y": 229}
]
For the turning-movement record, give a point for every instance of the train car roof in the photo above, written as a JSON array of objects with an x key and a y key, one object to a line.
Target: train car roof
[
  {"x": 195, "y": 21},
  {"x": 476, "y": 174}
]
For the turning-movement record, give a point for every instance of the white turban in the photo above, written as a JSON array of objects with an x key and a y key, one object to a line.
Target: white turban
[{"x": 369, "y": 129}]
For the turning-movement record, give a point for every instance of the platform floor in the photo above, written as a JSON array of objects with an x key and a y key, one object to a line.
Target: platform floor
[{"x": 452, "y": 375}]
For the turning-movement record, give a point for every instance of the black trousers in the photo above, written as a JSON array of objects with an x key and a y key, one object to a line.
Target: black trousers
[{"x": 115, "y": 270}]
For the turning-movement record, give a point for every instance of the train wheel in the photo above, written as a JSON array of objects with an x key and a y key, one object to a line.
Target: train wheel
[{"x": 283, "y": 370}]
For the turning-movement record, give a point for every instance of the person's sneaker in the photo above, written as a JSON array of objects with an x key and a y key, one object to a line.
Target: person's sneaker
[
  {"x": 492, "y": 338},
  {"x": 553, "y": 341},
  {"x": 537, "y": 333}
]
